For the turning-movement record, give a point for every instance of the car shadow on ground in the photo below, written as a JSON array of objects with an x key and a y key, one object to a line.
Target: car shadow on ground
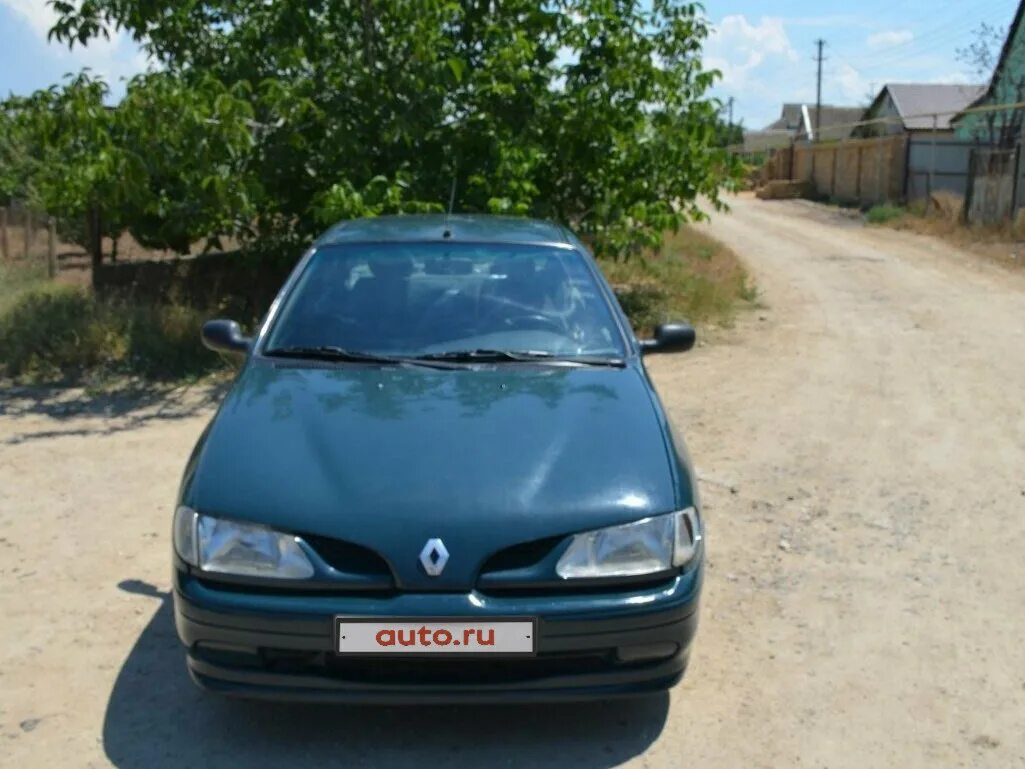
[
  {"x": 156, "y": 717},
  {"x": 124, "y": 406}
]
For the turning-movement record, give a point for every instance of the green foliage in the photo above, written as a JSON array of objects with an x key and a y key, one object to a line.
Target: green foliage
[
  {"x": 59, "y": 148},
  {"x": 884, "y": 213},
  {"x": 60, "y": 333},
  {"x": 379, "y": 196},
  {"x": 168, "y": 163},
  {"x": 186, "y": 144},
  {"x": 590, "y": 112}
]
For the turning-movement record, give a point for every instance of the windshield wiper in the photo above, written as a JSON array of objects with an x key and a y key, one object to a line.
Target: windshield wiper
[
  {"x": 330, "y": 352},
  {"x": 519, "y": 356}
]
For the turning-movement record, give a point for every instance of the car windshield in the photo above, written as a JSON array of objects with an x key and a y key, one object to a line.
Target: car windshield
[{"x": 432, "y": 299}]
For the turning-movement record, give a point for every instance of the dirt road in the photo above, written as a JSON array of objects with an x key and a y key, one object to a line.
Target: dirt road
[{"x": 861, "y": 443}]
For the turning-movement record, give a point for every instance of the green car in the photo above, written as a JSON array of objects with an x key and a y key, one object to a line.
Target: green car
[{"x": 442, "y": 474}]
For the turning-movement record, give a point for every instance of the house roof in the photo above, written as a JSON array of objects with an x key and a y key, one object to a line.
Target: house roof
[
  {"x": 916, "y": 103},
  {"x": 836, "y": 121}
]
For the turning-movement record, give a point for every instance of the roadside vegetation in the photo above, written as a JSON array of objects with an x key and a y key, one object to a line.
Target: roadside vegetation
[
  {"x": 694, "y": 277},
  {"x": 56, "y": 333},
  {"x": 61, "y": 334},
  {"x": 942, "y": 218}
]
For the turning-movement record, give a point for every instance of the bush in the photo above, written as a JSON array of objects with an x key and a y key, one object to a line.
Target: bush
[
  {"x": 63, "y": 334},
  {"x": 695, "y": 278},
  {"x": 884, "y": 213}
]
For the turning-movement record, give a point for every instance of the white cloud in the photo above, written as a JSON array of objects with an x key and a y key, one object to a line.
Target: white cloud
[
  {"x": 738, "y": 48},
  {"x": 851, "y": 84},
  {"x": 37, "y": 13},
  {"x": 889, "y": 38},
  {"x": 760, "y": 66},
  {"x": 113, "y": 59}
]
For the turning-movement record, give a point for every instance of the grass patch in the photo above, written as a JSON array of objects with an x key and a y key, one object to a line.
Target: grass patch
[
  {"x": 694, "y": 278},
  {"x": 885, "y": 213},
  {"x": 62, "y": 334},
  {"x": 18, "y": 277},
  {"x": 942, "y": 217}
]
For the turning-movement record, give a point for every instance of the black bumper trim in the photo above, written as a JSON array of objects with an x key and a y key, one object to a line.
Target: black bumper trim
[{"x": 256, "y": 684}]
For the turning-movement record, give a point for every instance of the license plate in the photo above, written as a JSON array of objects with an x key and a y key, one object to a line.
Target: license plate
[{"x": 442, "y": 636}]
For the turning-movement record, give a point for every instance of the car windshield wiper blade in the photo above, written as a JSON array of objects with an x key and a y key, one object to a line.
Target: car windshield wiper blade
[
  {"x": 330, "y": 352},
  {"x": 520, "y": 356}
]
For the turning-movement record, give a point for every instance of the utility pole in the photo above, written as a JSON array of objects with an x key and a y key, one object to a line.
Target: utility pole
[
  {"x": 818, "y": 90},
  {"x": 730, "y": 102}
]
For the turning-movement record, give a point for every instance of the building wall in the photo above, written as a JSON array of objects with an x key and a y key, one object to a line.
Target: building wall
[
  {"x": 886, "y": 109},
  {"x": 974, "y": 127}
]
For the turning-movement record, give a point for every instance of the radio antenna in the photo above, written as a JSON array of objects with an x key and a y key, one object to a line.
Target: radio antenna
[{"x": 451, "y": 197}]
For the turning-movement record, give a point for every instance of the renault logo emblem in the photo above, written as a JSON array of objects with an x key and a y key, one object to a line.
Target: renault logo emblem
[{"x": 433, "y": 557}]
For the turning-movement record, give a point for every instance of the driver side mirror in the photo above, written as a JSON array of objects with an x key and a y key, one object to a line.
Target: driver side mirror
[
  {"x": 224, "y": 336},
  {"x": 670, "y": 337}
]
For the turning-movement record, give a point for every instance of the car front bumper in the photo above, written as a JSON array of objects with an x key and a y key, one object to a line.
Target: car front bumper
[{"x": 589, "y": 645}]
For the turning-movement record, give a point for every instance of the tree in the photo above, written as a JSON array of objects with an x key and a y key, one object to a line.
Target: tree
[
  {"x": 168, "y": 163},
  {"x": 70, "y": 162},
  {"x": 592, "y": 112},
  {"x": 186, "y": 145}
]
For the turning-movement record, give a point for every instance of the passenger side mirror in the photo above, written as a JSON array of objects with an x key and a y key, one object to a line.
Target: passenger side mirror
[
  {"x": 224, "y": 336},
  {"x": 670, "y": 337}
]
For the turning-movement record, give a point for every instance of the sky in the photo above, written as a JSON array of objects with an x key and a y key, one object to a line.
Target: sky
[{"x": 764, "y": 48}]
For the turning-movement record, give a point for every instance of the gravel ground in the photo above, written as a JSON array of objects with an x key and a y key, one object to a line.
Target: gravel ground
[{"x": 861, "y": 446}]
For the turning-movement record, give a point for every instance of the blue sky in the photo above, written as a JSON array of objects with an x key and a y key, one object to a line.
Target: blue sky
[{"x": 763, "y": 47}]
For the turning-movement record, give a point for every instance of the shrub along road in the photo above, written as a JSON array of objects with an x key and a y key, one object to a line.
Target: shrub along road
[{"x": 861, "y": 444}]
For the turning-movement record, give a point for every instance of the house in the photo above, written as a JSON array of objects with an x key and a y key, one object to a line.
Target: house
[
  {"x": 1000, "y": 128},
  {"x": 836, "y": 123},
  {"x": 904, "y": 108},
  {"x": 797, "y": 123},
  {"x": 936, "y": 159}
]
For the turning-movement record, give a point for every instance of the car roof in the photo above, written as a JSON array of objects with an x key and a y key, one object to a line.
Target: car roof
[{"x": 466, "y": 228}]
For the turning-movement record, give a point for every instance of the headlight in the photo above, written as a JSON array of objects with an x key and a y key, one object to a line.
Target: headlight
[
  {"x": 232, "y": 547},
  {"x": 645, "y": 547}
]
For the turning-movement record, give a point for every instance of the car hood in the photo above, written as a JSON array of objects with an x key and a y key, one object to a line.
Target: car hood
[{"x": 388, "y": 457}]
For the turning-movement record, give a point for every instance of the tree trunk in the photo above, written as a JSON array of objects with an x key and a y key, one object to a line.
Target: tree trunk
[{"x": 95, "y": 241}]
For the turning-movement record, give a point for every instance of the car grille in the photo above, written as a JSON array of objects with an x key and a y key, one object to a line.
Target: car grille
[
  {"x": 347, "y": 557},
  {"x": 521, "y": 556}
]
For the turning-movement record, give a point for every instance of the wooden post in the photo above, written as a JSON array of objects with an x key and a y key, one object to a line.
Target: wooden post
[
  {"x": 5, "y": 244},
  {"x": 95, "y": 241},
  {"x": 28, "y": 231},
  {"x": 51, "y": 247},
  {"x": 932, "y": 160}
]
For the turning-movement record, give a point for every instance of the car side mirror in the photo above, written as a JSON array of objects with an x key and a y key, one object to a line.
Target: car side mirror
[
  {"x": 224, "y": 336},
  {"x": 670, "y": 337}
]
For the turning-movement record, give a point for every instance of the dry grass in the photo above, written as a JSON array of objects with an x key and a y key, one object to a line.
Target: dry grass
[
  {"x": 694, "y": 278},
  {"x": 941, "y": 218}
]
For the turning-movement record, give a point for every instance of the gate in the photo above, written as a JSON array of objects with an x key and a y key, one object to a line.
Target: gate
[{"x": 992, "y": 187}]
